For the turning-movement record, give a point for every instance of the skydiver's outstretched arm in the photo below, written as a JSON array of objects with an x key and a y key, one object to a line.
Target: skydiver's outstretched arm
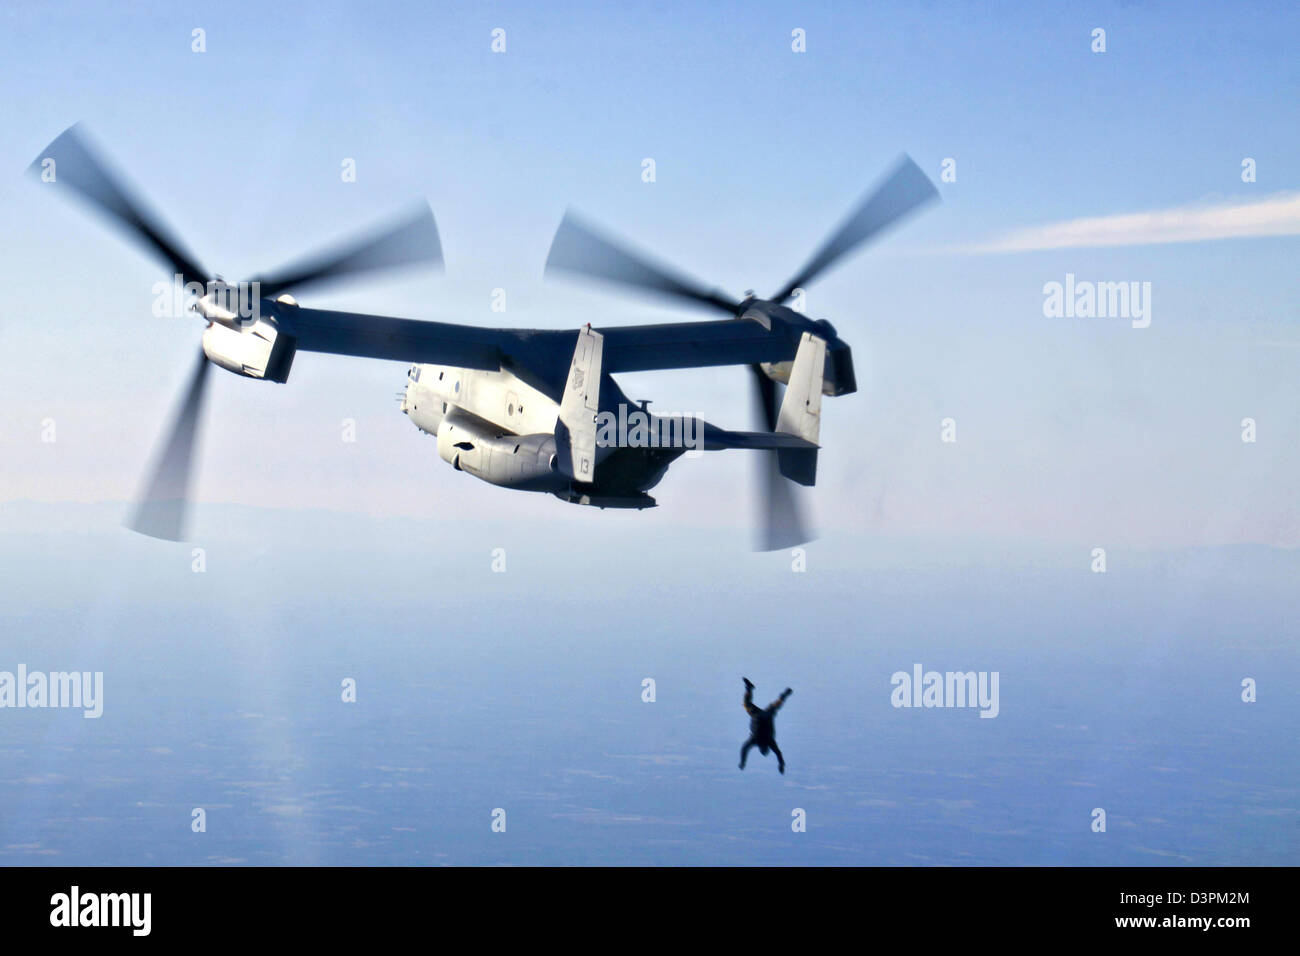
[
  {"x": 773, "y": 707},
  {"x": 780, "y": 758}
]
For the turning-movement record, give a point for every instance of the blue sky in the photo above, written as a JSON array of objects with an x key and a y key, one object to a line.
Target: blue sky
[{"x": 758, "y": 152}]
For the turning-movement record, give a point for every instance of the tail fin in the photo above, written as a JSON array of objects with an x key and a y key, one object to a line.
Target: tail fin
[
  {"x": 801, "y": 410},
  {"x": 578, "y": 408}
]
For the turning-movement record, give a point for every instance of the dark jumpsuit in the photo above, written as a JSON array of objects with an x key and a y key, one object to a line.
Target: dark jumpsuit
[{"x": 762, "y": 727}]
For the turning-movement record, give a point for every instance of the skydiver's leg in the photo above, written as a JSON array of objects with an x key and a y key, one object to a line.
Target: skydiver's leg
[
  {"x": 780, "y": 758},
  {"x": 744, "y": 752},
  {"x": 749, "y": 698}
]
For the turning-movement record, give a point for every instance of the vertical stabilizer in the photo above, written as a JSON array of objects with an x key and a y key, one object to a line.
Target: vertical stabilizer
[
  {"x": 578, "y": 408},
  {"x": 801, "y": 409}
]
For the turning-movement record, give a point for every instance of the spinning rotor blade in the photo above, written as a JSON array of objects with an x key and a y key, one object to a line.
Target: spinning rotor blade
[
  {"x": 782, "y": 525},
  {"x": 578, "y": 249},
  {"x": 161, "y": 510},
  {"x": 779, "y": 521},
  {"x": 77, "y": 167},
  {"x": 412, "y": 240},
  {"x": 767, "y": 407},
  {"x": 903, "y": 190}
]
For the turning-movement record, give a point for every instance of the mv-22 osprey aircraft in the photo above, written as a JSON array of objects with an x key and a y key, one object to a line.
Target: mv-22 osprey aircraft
[{"x": 521, "y": 408}]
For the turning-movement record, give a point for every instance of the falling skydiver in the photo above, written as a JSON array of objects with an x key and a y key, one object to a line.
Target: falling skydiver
[{"x": 762, "y": 726}]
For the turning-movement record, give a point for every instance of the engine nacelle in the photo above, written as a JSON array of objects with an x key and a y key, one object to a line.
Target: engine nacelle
[
  {"x": 257, "y": 350},
  {"x": 484, "y": 451}
]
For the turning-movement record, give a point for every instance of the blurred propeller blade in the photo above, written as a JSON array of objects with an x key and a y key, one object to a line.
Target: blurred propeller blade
[
  {"x": 902, "y": 191},
  {"x": 767, "y": 408},
  {"x": 411, "y": 240},
  {"x": 578, "y": 249},
  {"x": 780, "y": 523},
  {"x": 77, "y": 167},
  {"x": 161, "y": 510}
]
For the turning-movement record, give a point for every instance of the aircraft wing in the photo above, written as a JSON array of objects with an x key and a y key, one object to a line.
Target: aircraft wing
[
  {"x": 632, "y": 348},
  {"x": 638, "y": 348},
  {"x": 401, "y": 340}
]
